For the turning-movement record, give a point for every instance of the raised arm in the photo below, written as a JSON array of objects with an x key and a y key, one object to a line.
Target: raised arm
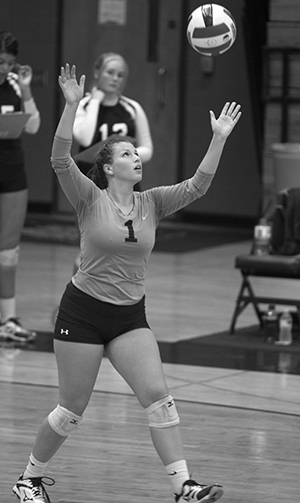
[
  {"x": 29, "y": 105},
  {"x": 221, "y": 128},
  {"x": 78, "y": 185},
  {"x": 73, "y": 93},
  {"x": 86, "y": 117}
]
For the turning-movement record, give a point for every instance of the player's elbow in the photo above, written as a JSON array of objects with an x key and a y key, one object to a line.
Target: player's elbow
[{"x": 33, "y": 125}]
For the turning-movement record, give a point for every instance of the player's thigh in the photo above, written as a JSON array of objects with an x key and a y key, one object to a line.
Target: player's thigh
[
  {"x": 13, "y": 207},
  {"x": 78, "y": 366},
  {"x": 135, "y": 355}
]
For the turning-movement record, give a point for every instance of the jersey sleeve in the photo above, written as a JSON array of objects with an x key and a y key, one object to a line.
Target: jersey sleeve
[
  {"x": 77, "y": 187},
  {"x": 34, "y": 121},
  {"x": 86, "y": 120},
  {"x": 171, "y": 198},
  {"x": 29, "y": 106},
  {"x": 143, "y": 135}
]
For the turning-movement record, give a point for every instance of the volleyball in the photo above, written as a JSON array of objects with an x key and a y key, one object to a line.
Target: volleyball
[{"x": 211, "y": 29}]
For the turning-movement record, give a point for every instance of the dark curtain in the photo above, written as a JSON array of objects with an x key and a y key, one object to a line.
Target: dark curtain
[{"x": 256, "y": 16}]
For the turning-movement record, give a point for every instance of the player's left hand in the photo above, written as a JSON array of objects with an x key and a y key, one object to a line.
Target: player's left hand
[
  {"x": 227, "y": 120},
  {"x": 25, "y": 75}
]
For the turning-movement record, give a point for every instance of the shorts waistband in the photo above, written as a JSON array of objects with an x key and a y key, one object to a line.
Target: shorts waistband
[{"x": 105, "y": 308}]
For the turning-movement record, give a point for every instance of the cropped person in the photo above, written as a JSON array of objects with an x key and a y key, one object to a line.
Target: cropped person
[
  {"x": 105, "y": 111},
  {"x": 15, "y": 96},
  {"x": 103, "y": 306}
]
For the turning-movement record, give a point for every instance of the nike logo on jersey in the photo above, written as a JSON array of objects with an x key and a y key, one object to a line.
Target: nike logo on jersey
[{"x": 144, "y": 217}]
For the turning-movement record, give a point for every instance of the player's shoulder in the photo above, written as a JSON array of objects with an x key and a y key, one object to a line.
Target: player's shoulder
[
  {"x": 125, "y": 99},
  {"x": 150, "y": 195},
  {"x": 129, "y": 103}
]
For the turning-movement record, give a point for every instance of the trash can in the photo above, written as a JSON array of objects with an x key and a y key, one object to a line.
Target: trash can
[{"x": 286, "y": 162}]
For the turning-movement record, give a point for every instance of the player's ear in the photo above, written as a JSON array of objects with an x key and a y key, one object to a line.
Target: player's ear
[{"x": 108, "y": 169}]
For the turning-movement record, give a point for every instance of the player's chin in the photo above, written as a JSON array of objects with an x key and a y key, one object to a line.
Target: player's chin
[{"x": 138, "y": 173}]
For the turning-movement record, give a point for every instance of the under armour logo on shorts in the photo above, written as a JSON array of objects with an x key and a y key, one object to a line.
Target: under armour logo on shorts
[{"x": 64, "y": 332}]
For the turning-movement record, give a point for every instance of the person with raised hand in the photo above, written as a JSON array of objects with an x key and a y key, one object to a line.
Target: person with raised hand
[
  {"x": 105, "y": 111},
  {"x": 103, "y": 306},
  {"x": 15, "y": 97}
]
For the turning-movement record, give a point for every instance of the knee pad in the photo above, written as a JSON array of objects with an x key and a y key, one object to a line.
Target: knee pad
[
  {"x": 63, "y": 421},
  {"x": 163, "y": 413},
  {"x": 9, "y": 258}
]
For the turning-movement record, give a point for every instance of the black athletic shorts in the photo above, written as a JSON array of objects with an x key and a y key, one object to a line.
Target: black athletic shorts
[
  {"x": 82, "y": 318},
  {"x": 13, "y": 178}
]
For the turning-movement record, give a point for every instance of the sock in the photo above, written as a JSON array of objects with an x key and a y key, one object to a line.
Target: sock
[
  {"x": 178, "y": 473},
  {"x": 7, "y": 309},
  {"x": 34, "y": 468}
]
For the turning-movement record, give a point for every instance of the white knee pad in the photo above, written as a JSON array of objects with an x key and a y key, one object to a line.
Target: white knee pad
[
  {"x": 163, "y": 413},
  {"x": 63, "y": 421},
  {"x": 9, "y": 258}
]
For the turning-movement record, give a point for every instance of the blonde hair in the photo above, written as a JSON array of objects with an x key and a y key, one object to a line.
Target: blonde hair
[{"x": 105, "y": 58}]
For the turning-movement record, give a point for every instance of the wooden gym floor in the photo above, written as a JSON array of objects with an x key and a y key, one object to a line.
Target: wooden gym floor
[{"x": 240, "y": 427}]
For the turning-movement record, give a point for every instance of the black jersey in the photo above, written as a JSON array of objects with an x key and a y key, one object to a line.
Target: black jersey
[
  {"x": 96, "y": 122},
  {"x": 11, "y": 152},
  {"x": 114, "y": 120}
]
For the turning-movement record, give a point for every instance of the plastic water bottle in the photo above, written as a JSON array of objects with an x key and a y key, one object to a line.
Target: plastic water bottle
[
  {"x": 271, "y": 324},
  {"x": 284, "y": 362},
  {"x": 262, "y": 237},
  {"x": 285, "y": 328}
]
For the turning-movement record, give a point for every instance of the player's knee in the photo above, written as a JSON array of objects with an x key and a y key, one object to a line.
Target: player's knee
[
  {"x": 163, "y": 413},
  {"x": 63, "y": 421},
  {"x": 9, "y": 258}
]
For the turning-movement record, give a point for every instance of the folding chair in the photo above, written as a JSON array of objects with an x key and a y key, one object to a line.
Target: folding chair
[{"x": 283, "y": 262}]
